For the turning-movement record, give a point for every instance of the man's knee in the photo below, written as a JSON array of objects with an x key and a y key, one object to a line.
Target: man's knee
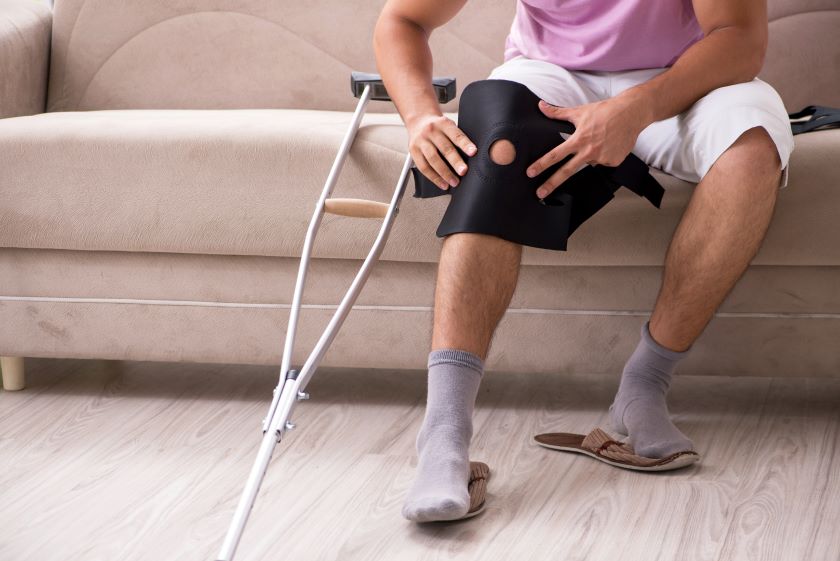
[
  {"x": 475, "y": 242},
  {"x": 766, "y": 141},
  {"x": 756, "y": 150},
  {"x": 502, "y": 152},
  {"x": 760, "y": 142},
  {"x": 474, "y": 251}
]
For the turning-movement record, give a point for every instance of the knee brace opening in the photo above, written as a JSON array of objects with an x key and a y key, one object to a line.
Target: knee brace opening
[{"x": 502, "y": 152}]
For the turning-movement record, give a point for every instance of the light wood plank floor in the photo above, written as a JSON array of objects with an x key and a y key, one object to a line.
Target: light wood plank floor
[{"x": 110, "y": 460}]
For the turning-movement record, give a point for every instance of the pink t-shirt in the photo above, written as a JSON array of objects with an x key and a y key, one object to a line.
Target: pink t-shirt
[{"x": 603, "y": 34}]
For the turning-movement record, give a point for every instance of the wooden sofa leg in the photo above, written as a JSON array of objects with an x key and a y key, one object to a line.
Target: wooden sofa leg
[{"x": 12, "y": 368}]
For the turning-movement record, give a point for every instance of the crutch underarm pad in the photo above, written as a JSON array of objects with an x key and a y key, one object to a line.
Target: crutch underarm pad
[{"x": 500, "y": 199}]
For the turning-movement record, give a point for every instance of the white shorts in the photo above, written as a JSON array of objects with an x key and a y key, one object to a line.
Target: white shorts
[{"x": 685, "y": 145}]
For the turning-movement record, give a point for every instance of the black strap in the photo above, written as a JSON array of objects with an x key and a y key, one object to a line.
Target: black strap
[
  {"x": 424, "y": 188},
  {"x": 632, "y": 173},
  {"x": 820, "y": 117}
]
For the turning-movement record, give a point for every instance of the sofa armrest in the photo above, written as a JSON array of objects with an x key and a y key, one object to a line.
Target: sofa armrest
[{"x": 25, "y": 29}]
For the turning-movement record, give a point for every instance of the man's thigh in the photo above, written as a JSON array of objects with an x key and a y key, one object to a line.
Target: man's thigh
[
  {"x": 687, "y": 145},
  {"x": 549, "y": 82}
]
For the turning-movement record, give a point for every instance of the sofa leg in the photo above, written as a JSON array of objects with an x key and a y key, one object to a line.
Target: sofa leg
[{"x": 12, "y": 368}]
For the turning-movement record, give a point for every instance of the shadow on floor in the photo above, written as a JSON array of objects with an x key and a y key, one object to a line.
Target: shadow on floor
[{"x": 248, "y": 383}]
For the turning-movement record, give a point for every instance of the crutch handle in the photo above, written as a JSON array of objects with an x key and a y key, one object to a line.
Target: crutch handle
[
  {"x": 443, "y": 86},
  {"x": 360, "y": 208}
]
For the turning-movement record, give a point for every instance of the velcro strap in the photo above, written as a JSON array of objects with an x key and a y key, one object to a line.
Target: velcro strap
[
  {"x": 635, "y": 175},
  {"x": 424, "y": 188}
]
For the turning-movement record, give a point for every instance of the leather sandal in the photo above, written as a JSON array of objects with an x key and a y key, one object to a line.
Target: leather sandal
[
  {"x": 599, "y": 445},
  {"x": 479, "y": 474}
]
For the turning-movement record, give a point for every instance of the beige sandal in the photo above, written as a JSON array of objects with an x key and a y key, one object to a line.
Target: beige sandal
[
  {"x": 599, "y": 445},
  {"x": 479, "y": 474}
]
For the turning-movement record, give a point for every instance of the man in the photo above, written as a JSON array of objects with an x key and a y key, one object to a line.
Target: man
[{"x": 673, "y": 81}]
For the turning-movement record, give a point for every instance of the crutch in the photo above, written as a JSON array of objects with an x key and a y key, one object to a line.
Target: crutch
[{"x": 292, "y": 384}]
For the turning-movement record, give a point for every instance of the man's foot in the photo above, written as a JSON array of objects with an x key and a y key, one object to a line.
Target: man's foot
[
  {"x": 651, "y": 432},
  {"x": 440, "y": 489},
  {"x": 640, "y": 410}
]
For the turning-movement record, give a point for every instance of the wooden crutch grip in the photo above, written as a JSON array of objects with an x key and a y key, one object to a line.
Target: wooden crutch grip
[{"x": 360, "y": 208}]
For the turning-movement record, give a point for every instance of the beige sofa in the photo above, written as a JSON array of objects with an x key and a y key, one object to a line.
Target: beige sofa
[{"x": 159, "y": 166}]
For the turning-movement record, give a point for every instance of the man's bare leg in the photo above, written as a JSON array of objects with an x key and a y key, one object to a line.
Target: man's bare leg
[
  {"x": 718, "y": 236},
  {"x": 476, "y": 279}
]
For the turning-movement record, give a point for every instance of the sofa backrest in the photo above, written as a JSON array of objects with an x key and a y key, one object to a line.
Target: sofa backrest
[
  {"x": 109, "y": 54},
  {"x": 803, "y": 56}
]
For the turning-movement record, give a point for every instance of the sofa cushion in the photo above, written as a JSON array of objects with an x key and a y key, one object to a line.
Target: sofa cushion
[
  {"x": 235, "y": 309},
  {"x": 245, "y": 182}
]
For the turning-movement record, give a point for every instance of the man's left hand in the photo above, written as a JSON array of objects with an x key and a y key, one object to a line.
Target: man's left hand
[{"x": 605, "y": 133}]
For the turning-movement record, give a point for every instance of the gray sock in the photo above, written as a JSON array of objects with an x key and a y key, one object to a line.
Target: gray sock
[
  {"x": 440, "y": 491},
  {"x": 639, "y": 409}
]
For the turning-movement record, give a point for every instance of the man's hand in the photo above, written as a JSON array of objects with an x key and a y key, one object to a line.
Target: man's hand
[
  {"x": 404, "y": 60},
  {"x": 729, "y": 27},
  {"x": 431, "y": 138},
  {"x": 605, "y": 133}
]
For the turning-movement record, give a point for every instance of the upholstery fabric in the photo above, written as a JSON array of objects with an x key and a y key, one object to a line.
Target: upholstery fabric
[
  {"x": 24, "y": 57},
  {"x": 245, "y": 182},
  {"x": 269, "y": 281},
  {"x": 255, "y": 54},
  {"x": 221, "y": 308},
  {"x": 803, "y": 53},
  {"x": 242, "y": 53}
]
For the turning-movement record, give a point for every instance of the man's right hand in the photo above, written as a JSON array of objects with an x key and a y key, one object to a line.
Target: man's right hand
[
  {"x": 404, "y": 60},
  {"x": 431, "y": 142}
]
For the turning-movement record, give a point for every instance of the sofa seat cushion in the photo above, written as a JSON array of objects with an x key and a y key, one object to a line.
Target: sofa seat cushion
[{"x": 245, "y": 182}]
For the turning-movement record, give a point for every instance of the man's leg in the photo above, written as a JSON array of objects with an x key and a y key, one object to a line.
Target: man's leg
[
  {"x": 718, "y": 235},
  {"x": 476, "y": 278}
]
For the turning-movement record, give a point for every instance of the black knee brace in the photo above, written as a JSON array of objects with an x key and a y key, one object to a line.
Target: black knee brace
[{"x": 500, "y": 199}]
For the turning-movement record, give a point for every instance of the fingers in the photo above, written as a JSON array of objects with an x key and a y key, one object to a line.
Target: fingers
[
  {"x": 430, "y": 150},
  {"x": 433, "y": 148},
  {"x": 590, "y": 143},
  {"x": 447, "y": 149},
  {"x": 418, "y": 154},
  {"x": 555, "y": 111},
  {"x": 565, "y": 171},
  {"x": 551, "y": 157},
  {"x": 459, "y": 138},
  {"x": 564, "y": 149}
]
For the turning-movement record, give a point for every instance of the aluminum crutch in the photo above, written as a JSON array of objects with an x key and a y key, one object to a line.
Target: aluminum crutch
[{"x": 292, "y": 383}]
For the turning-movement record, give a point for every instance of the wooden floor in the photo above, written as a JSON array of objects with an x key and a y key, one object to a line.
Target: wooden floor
[{"x": 109, "y": 460}]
